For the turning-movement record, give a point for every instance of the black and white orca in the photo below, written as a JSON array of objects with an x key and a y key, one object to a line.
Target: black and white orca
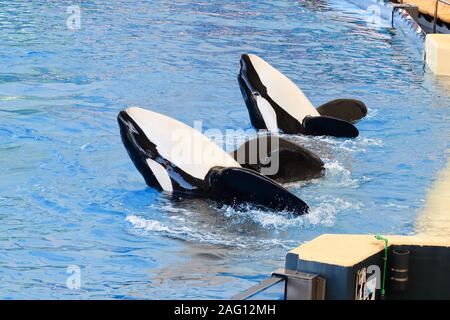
[
  {"x": 279, "y": 159},
  {"x": 275, "y": 103},
  {"x": 174, "y": 157}
]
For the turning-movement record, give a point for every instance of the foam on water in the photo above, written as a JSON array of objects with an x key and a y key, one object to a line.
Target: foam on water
[
  {"x": 242, "y": 217},
  {"x": 150, "y": 225},
  {"x": 340, "y": 176},
  {"x": 360, "y": 144},
  {"x": 174, "y": 230}
]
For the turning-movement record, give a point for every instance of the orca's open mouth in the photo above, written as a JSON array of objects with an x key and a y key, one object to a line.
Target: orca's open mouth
[{"x": 137, "y": 145}]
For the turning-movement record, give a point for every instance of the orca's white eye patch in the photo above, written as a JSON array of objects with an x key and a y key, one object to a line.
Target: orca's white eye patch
[
  {"x": 268, "y": 113},
  {"x": 161, "y": 175}
]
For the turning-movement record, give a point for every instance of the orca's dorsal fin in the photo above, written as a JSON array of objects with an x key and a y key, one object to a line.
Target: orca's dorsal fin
[{"x": 279, "y": 159}]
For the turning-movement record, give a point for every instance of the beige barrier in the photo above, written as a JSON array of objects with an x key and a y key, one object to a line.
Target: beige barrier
[
  {"x": 437, "y": 49},
  {"x": 434, "y": 219}
]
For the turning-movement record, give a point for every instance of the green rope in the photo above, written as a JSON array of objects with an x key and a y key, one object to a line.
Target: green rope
[{"x": 378, "y": 237}]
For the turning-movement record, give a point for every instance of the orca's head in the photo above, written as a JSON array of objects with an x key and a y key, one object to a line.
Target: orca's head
[
  {"x": 134, "y": 139},
  {"x": 137, "y": 144}
]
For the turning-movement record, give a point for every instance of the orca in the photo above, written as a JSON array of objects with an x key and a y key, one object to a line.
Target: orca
[
  {"x": 275, "y": 103},
  {"x": 176, "y": 158},
  {"x": 279, "y": 159}
]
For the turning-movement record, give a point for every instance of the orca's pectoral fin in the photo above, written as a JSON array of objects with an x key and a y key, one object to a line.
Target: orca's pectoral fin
[
  {"x": 244, "y": 185},
  {"x": 329, "y": 126},
  {"x": 350, "y": 110}
]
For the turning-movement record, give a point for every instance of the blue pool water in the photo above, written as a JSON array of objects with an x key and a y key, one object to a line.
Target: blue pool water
[{"x": 69, "y": 194}]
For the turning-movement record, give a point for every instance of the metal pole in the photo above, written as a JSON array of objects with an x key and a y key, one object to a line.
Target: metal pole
[{"x": 435, "y": 16}]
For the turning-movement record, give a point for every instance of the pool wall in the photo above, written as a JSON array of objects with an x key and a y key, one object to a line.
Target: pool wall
[{"x": 399, "y": 18}]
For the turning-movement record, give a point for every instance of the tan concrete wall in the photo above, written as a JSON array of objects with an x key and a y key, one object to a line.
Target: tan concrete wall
[
  {"x": 434, "y": 219},
  {"x": 437, "y": 48}
]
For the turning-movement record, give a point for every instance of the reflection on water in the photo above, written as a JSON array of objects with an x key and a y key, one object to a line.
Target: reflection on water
[{"x": 442, "y": 83}]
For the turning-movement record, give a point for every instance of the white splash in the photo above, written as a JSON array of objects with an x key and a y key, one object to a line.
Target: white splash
[
  {"x": 147, "y": 224},
  {"x": 338, "y": 173},
  {"x": 183, "y": 232}
]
